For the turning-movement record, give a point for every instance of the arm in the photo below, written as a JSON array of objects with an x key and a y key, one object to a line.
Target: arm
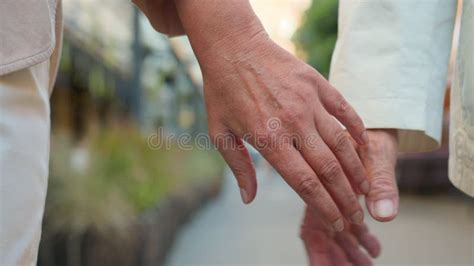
[
  {"x": 391, "y": 62},
  {"x": 256, "y": 91}
]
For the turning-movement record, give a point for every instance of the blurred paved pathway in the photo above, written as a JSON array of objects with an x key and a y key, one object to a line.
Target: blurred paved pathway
[{"x": 428, "y": 231}]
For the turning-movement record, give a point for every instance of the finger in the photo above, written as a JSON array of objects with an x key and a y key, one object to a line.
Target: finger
[
  {"x": 236, "y": 155},
  {"x": 340, "y": 143},
  {"x": 337, "y": 255},
  {"x": 351, "y": 247},
  {"x": 379, "y": 158},
  {"x": 337, "y": 106},
  {"x": 331, "y": 174},
  {"x": 367, "y": 240},
  {"x": 319, "y": 245},
  {"x": 382, "y": 200},
  {"x": 301, "y": 177}
]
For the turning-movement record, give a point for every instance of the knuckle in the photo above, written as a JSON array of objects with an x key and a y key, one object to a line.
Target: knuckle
[
  {"x": 292, "y": 116},
  {"x": 352, "y": 203},
  {"x": 306, "y": 95},
  {"x": 308, "y": 187},
  {"x": 356, "y": 122},
  {"x": 239, "y": 170},
  {"x": 340, "y": 142},
  {"x": 342, "y": 106},
  {"x": 296, "y": 121},
  {"x": 383, "y": 174},
  {"x": 359, "y": 173},
  {"x": 330, "y": 171},
  {"x": 383, "y": 183}
]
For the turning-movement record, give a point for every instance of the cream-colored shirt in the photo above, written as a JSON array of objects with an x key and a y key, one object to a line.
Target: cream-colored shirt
[
  {"x": 30, "y": 44},
  {"x": 391, "y": 63},
  {"x": 27, "y": 33}
]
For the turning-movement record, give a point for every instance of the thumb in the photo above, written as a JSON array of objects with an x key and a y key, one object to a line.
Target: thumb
[
  {"x": 380, "y": 158},
  {"x": 236, "y": 155}
]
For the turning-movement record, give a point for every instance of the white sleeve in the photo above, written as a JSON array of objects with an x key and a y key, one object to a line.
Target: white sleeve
[{"x": 391, "y": 64}]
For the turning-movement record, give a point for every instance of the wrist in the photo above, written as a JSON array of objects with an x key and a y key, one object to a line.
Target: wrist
[{"x": 220, "y": 28}]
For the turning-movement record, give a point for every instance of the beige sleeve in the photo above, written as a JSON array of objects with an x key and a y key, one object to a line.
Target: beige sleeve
[
  {"x": 24, "y": 153},
  {"x": 391, "y": 64},
  {"x": 461, "y": 139}
]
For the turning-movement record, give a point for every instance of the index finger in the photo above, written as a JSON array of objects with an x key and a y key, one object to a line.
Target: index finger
[{"x": 337, "y": 106}]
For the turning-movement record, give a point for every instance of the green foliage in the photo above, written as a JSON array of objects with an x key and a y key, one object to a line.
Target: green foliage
[
  {"x": 123, "y": 176},
  {"x": 317, "y": 35}
]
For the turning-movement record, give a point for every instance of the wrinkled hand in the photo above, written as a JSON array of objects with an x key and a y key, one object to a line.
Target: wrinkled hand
[
  {"x": 284, "y": 108},
  {"x": 379, "y": 159},
  {"x": 256, "y": 91},
  {"x": 328, "y": 248}
]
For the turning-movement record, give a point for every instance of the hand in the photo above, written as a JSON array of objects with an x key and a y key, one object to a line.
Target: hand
[
  {"x": 249, "y": 82},
  {"x": 163, "y": 16},
  {"x": 379, "y": 158},
  {"x": 328, "y": 248},
  {"x": 256, "y": 91}
]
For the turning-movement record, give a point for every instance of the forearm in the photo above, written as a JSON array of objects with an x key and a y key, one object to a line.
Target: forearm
[{"x": 218, "y": 24}]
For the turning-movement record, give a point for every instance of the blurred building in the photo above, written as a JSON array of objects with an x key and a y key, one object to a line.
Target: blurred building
[{"x": 115, "y": 69}]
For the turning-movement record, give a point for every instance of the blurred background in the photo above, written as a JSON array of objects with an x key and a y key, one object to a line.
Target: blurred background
[{"x": 115, "y": 199}]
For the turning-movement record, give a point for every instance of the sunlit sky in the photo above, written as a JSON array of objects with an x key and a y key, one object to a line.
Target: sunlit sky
[{"x": 281, "y": 18}]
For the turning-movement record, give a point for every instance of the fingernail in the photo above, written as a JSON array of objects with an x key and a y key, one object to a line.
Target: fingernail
[
  {"x": 338, "y": 225},
  {"x": 384, "y": 208},
  {"x": 357, "y": 217},
  {"x": 364, "y": 138},
  {"x": 244, "y": 195},
  {"x": 364, "y": 187}
]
